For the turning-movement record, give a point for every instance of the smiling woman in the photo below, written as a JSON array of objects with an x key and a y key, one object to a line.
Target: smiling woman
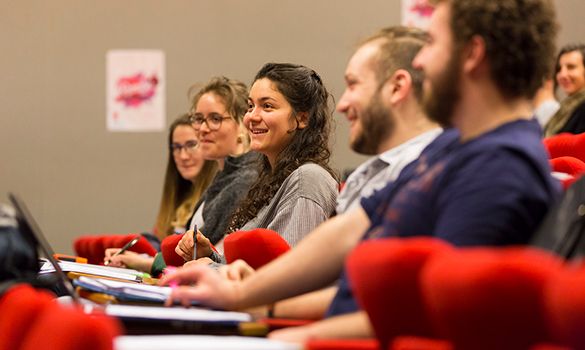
[
  {"x": 289, "y": 121},
  {"x": 570, "y": 77}
]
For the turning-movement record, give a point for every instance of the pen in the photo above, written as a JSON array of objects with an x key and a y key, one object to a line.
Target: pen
[
  {"x": 195, "y": 243},
  {"x": 125, "y": 248}
]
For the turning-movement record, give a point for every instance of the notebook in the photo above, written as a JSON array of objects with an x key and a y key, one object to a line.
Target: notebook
[{"x": 142, "y": 319}]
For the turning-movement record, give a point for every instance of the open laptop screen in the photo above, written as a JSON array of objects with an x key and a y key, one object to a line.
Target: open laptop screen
[{"x": 31, "y": 230}]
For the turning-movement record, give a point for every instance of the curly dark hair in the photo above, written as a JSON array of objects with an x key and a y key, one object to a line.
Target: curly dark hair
[
  {"x": 519, "y": 36},
  {"x": 304, "y": 91}
]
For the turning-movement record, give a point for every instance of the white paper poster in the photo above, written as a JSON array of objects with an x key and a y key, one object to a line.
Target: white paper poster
[
  {"x": 135, "y": 90},
  {"x": 416, "y": 13}
]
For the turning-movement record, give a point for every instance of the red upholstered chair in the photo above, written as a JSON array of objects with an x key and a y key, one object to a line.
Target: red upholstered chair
[
  {"x": 489, "y": 298},
  {"x": 167, "y": 248},
  {"x": 568, "y": 165},
  {"x": 565, "y": 302},
  {"x": 67, "y": 328},
  {"x": 385, "y": 275},
  {"x": 256, "y": 247},
  {"x": 19, "y": 307},
  {"x": 93, "y": 247},
  {"x": 566, "y": 145},
  {"x": 342, "y": 344},
  {"x": 419, "y": 343}
]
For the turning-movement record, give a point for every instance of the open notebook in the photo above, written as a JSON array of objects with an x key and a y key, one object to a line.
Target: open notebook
[{"x": 141, "y": 319}]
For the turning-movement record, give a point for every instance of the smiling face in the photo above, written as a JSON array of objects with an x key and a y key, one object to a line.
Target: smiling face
[
  {"x": 370, "y": 120},
  {"x": 571, "y": 73},
  {"x": 188, "y": 160},
  {"x": 270, "y": 120},
  {"x": 220, "y": 143}
]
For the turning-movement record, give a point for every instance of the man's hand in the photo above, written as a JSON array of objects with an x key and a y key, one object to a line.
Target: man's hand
[
  {"x": 209, "y": 287},
  {"x": 236, "y": 271}
]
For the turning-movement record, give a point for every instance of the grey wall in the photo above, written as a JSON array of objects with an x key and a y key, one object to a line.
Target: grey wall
[{"x": 55, "y": 151}]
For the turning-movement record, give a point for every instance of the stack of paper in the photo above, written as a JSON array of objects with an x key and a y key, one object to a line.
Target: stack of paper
[
  {"x": 124, "y": 291},
  {"x": 97, "y": 270}
]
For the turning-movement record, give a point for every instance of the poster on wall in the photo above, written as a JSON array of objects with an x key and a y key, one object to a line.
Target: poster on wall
[
  {"x": 416, "y": 13},
  {"x": 135, "y": 90}
]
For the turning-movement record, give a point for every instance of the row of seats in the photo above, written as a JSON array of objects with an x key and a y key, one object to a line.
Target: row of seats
[
  {"x": 32, "y": 320},
  {"x": 436, "y": 297}
]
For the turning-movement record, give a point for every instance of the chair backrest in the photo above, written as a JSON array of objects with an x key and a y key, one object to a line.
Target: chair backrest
[
  {"x": 93, "y": 247},
  {"x": 385, "y": 276},
  {"x": 67, "y": 328},
  {"x": 256, "y": 247},
  {"x": 566, "y": 145},
  {"x": 565, "y": 305},
  {"x": 167, "y": 248},
  {"x": 20, "y": 306},
  {"x": 490, "y": 298}
]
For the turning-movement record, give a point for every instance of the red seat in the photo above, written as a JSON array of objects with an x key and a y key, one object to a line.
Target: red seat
[
  {"x": 568, "y": 165},
  {"x": 490, "y": 298},
  {"x": 419, "y": 343},
  {"x": 256, "y": 247},
  {"x": 342, "y": 344},
  {"x": 167, "y": 248},
  {"x": 19, "y": 307},
  {"x": 566, "y": 145},
  {"x": 93, "y": 247},
  {"x": 68, "y": 328},
  {"x": 385, "y": 275},
  {"x": 565, "y": 302}
]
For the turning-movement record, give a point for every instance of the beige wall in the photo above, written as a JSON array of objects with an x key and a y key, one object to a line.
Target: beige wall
[{"x": 55, "y": 151}]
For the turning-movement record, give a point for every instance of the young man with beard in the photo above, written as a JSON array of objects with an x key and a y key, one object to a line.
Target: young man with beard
[{"x": 484, "y": 182}]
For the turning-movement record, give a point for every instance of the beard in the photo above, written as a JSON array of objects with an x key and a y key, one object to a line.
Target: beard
[
  {"x": 377, "y": 123},
  {"x": 442, "y": 94}
]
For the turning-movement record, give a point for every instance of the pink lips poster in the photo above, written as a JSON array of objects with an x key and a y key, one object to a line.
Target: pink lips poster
[
  {"x": 135, "y": 90},
  {"x": 416, "y": 13}
]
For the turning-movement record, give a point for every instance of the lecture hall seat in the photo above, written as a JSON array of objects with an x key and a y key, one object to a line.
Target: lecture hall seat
[
  {"x": 490, "y": 298},
  {"x": 93, "y": 247},
  {"x": 385, "y": 275},
  {"x": 19, "y": 307},
  {"x": 256, "y": 247},
  {"x": 66, "y": 327}
]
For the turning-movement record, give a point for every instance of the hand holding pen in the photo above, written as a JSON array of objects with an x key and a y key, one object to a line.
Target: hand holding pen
[
  {"x": 124, "y": 249},
  {"x": 193, "y": 245}
]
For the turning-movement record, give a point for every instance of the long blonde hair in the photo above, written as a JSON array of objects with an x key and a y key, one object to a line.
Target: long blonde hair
[{"x": 179, "y": 196}]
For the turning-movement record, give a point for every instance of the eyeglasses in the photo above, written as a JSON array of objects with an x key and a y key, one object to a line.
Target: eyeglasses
[
  {"x": 213, "y": 121},
  {"x": 189, "y": 147}
]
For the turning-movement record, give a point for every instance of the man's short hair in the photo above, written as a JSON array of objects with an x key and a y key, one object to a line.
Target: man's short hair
[
  {"x": 398, "y": 47},
  {"x": 519, "y": 36}
]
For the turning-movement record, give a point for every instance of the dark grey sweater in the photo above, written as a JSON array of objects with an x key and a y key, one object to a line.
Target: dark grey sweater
[{"x": 225, "y": 193}]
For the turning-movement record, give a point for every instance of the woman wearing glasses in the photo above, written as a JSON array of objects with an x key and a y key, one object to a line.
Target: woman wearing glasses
[
  {"x": 288, "y": 120},
  {"x": 187, "y": 177}
]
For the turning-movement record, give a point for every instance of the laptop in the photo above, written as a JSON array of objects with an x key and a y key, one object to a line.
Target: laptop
[
  {"x": 142, "y": 319},
  {"x": 29, "y": 227}
]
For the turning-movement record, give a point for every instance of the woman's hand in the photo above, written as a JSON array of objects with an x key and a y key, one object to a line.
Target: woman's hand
[
  {"x": 185, "y": 246},
  {"x": 128, "y": 259}
]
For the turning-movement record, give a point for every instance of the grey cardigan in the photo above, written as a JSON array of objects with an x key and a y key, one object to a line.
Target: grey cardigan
[{"x": 225, "y": 193}]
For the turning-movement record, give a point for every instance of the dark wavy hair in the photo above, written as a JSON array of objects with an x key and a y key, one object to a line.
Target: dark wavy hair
[
  {"x": 304, "y": 91},
  {"x": 519, "y": 36}
]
